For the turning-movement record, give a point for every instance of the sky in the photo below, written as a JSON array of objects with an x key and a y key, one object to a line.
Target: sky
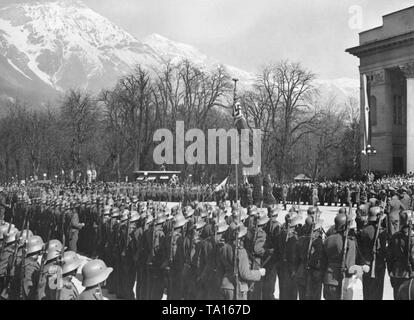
[{"x": 250, "y": 34}]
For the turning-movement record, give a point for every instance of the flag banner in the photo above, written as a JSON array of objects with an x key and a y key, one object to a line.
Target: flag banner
[
  {"x": 367, "y": 129},
  {"x": 239, "y": 119},
  {"x": 221, "y": 185}
]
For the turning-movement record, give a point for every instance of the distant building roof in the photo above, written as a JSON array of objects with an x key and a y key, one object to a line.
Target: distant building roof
[
  {"x": 302, "y": 177},
  {"x": 157, "y": 172}
]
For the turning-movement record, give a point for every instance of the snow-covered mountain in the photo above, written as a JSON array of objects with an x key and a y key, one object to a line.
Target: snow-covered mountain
[
  {"x": 341, "y": 89},
  {"x": 47, "y": 47}
]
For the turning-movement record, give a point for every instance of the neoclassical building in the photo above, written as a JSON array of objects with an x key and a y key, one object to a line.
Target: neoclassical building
[{"x": 386, "y": 56}]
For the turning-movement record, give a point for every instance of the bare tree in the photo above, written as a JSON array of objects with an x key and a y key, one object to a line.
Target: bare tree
[{"x": 80, "y": 121}]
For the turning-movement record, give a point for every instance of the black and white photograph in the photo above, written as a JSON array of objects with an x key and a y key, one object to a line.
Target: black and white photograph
[{"x": 223, "y": 151}]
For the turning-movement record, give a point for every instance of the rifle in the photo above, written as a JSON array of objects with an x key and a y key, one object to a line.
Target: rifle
[
  {"x": 374, "y": 247},
  {"x": 344, "y": 251},
  {"x": 60, "y": 263},
  {"x": 409, "y": 244},
  {"x": 43, "y": 262},
  {"x": 127, "y": 232},
  {"x": 236, "y": 260},
  {"x": 286, "y": 240},
  {"x": 170, "y": 261},
  {"x": 150, "y": 263},
  {"x": 22, "y": 263},
  {"x": 308, "y": 258}
]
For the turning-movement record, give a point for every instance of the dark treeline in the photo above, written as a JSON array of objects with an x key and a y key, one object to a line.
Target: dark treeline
[{"x": 112, "y": 132}]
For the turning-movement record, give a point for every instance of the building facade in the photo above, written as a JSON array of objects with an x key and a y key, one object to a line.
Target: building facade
[{"x": 386, "y": 56}]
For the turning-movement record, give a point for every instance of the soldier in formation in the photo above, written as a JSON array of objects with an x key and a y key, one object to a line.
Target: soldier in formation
[{"x": 146, "y": 250}]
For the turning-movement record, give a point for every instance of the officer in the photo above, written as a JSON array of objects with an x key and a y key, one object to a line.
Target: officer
[
  {"x": 94, "y": 273},
  {"x": 74, "y": 228}
]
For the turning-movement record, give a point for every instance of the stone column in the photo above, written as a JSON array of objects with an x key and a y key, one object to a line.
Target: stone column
[{"x": 408, "y": 70}]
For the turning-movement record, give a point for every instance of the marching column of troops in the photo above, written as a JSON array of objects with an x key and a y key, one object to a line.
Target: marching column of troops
[{"x": 142, "y": 250}]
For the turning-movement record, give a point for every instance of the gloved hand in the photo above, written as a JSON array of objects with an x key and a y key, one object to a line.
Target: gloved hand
[{"x": 262, "y": 272}]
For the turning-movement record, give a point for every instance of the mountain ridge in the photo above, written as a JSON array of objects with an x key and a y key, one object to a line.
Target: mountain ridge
[{"x": 48, "y": 47}]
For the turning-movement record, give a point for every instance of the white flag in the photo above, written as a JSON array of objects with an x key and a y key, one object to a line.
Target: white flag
[{"x": 221, "y": 185}]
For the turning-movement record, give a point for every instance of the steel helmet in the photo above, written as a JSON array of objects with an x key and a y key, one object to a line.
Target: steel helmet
[
  {"x": 23, "y": 235},
  {"x": 54, "y": 249},
  {"x": 180, "y": 221},
  {"x": 3, "y": 230},
  {"x": 134, "y": 216},
  {"x": 253, "y": 211},
  {"x": 115, "y": 212},
  {"x": 11, "y": 236},
  {"x": 107, "y": 210},
  {"x": 200, "y": 224},
  {"x": 222, "y": 226},
  {"x": 373, "y": 213},
  {"x": 340, "y": 221},
  {"x": 34, "y": 244},
  {"x": 312, "y": 211},
  {"x": 125, "y": 215},
  {"x": 71, "y": 262},
  {"x": 342, "y": 211},
  {"x": 263, "y": 219},
  {"x": 309, "y": 221},
  {"x": 95, "y": 272}
]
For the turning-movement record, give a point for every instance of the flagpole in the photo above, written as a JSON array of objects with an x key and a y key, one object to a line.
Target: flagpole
[
  {"x": 237, "y": 141},
  {"x": 237, "y": 184}
]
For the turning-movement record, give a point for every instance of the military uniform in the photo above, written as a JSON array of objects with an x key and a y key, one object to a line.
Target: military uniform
[
  {"x": 127, "y": 271},
  {"x": 74, "y": 228},
  {"x": 93, "y": 293},
  {"x": 287, "y": 243},
  {"x": 272, "y": 230},
  {"x": 373, "y": 288},
  {"x": 255, "y": 243},
  {"x": 31, "y": 273},
  {"x": 397, "y": 259},
  {"x": 331, "y": 264},
  {"x": 308, "y": 272},
  {"x": 210, "y": 275},
  {"x": 69, "y": 291},
  {"x": 245, "y": 273}
]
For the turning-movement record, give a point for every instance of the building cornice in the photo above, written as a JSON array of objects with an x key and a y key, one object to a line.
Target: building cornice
[{"x": 382, "y": 45}]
